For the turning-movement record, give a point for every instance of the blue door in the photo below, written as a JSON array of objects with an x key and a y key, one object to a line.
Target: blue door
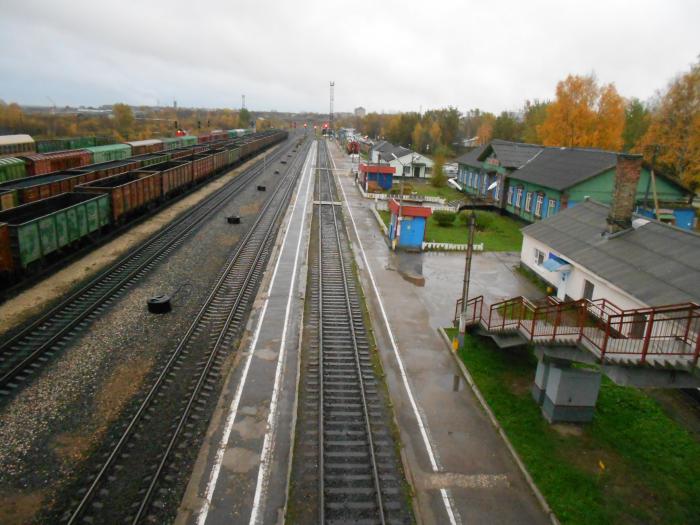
[{"x": 411, "y": 232}]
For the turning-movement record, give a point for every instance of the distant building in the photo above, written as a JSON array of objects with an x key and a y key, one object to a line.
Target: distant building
[
  {"x": 407, "y": 163},
  {"x": 360, "y": 112}
]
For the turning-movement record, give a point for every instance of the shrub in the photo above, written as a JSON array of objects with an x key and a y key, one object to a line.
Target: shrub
[
  {"x": 484, "y": 220},
  {"x": 373, "y": 187},
  {"x": 444, "y": 218}
]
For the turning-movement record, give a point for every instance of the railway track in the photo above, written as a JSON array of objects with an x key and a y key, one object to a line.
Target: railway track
[
  {"x": 145, "y": 467},
  {"x": 357, "y": 471},
  {"x": 25, "y": 353}
]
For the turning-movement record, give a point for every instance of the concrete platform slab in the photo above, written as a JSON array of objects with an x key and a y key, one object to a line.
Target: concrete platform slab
[
  {"x": 242, "y": 473},
  {"x": 461, "y": 469}
]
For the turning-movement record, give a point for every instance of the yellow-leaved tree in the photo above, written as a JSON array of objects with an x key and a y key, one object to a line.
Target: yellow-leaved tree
[
  {"x": 674, "y": 131},
  {"x": 584, "y": 114}
]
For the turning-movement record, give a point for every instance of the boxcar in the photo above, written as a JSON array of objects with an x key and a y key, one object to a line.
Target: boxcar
[
  {"x": 175, "y": 176},
  {"x": 12, "y": 168},
  {"x": 202, "y": 166},
  {"x": 8, "y": 199},
  {"x": 129, "y": 193},
  {"x": 151, "y": 158},
  {"x": 15, "y": 145},
  {"x": 188, "y": 140},
  {"x": 139, "y": 147},
  {"x": 109, "y": 153},
  {"x": 36, "y": 230},
  {"x": 30, "y": 189},
  {"x": 107, "y": 169},
  {"x": 40, "y": 164},
  {"x": 171, "y": 143}
]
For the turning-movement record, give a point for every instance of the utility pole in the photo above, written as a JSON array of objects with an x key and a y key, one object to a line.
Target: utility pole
[
  {"x": 330, "y": 120},
  {"x": 467, "y": 275}
]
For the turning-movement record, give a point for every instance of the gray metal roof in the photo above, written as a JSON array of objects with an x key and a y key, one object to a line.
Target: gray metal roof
[
  {"x": 561, "y": 168},
  {"x": 511, "y": 154},
  {"x": 656, "y": 263},
  {"x": 471, "y": 158}
]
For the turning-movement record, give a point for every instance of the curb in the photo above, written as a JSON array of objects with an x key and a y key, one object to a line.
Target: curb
[{"x": 475, "y": 389}]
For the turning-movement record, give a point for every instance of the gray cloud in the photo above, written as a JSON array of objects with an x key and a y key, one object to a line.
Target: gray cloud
[{"x": 384, "y": 55}]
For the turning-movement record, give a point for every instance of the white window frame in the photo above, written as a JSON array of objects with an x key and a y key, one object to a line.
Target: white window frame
[
  {"x": 539, "y": 253},
  {"x": 528, "y": 201},
  {"x": 538, "y": 205},
  {"x": 518, "y": 198},
  {"x": 551, "y": 207},
  {"x": 510, "y": 195}
]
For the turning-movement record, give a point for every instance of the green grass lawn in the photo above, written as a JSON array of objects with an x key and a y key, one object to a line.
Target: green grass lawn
[
  {"x": 425, "y": 188},
  {"x": 503, "y": 234},
  {"x": 632, "y": 464}
]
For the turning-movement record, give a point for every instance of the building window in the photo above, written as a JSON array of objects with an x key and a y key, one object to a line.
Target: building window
[
  {"x": 518, "y": 197},
  {"x": 551, "y": 207},
  {"x": 428, "y": 170},
  {"x": 510, "y": 195},
  {"x": 528, "y": 201},
  {"x": 406, "y": 171},
  {"x": 539, "y": 257},
  {"x": 588, "y": 289},
  {"x": 469, "y": 179},
  {"x": 496, "y": 191},
  {"x": 538, "y": 205}
]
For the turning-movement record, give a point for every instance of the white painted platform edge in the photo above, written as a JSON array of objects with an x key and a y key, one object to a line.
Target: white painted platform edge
[{"x": 475, "y": 389}]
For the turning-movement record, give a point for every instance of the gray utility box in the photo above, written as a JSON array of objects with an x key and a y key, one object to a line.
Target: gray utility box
[
  {"x": 570, "y": 394},
  {"x": 540, "y": 384}
]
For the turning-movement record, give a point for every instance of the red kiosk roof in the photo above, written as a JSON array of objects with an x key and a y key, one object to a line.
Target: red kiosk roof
[
  {"x": 409, "y": 210},
  {"x": 377, "y": 168}
]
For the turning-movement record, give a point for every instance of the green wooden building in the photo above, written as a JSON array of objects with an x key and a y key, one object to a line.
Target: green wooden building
[{"x": 558, "y": 178}]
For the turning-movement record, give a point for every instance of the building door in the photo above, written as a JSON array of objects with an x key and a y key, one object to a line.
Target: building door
[
  {"x": 588, "y": 290},
  {"x": 416, "y": 171}
]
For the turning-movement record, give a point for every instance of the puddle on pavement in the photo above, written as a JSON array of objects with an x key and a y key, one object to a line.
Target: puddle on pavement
[{"x": 410, "y": 267}]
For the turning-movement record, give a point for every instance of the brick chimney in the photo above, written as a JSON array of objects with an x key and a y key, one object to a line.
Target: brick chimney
[{"x": 624, "y": 195}]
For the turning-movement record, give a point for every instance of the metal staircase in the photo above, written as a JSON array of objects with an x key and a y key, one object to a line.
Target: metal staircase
[{"x": 662, "y": 337}]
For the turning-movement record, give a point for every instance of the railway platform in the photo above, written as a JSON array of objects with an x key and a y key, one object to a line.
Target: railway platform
[
  {"x": 242, "y": 471},
  {"x": 460, "y": 468}
]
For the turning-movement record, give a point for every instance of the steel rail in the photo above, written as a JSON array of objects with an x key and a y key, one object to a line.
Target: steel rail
[
  {"x": 254, "y": 268},
  {"x": 40, "y": 340},
  {"x": 352, "y": 338}
]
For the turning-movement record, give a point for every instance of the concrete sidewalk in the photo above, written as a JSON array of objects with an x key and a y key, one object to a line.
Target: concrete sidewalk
[{"x": 460, "y": 467}]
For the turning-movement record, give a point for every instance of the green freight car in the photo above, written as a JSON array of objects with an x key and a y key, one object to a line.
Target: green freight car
[
  {"x": 39, "y": 229},
  {"x": 188, "y": 140},
  {"x": 171, "y": 143},
  {"x": 148, "y": 159},
  {"x": 109, "y": 153},
  {"x": 12, "y": 168}
]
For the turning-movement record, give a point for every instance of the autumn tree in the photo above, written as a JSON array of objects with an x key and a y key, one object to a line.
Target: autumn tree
[
  {"x": 123, "y": 119},
  {"x": 417, "y": 137},
  {"x": 485, "y": 130},
  {"x": 584, "y": 114},
  {"x": 438, "y": 178},
  {"x": 243, "y": 118},
  {"x": 534, "y": 114},
  {"x": 675, "y": 128},
  {"x": 507, "y": 126},
  {"x": 637, "y": 120}
]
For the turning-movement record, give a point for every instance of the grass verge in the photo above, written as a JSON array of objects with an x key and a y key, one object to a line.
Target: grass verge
[
  {"x": 632, "y": 464},
  {"x": 502, "y": 235}
]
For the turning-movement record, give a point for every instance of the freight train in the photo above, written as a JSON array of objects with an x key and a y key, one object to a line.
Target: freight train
[
  {"x": 57, "y": 212},
  {"x": 21, "y": 156}
]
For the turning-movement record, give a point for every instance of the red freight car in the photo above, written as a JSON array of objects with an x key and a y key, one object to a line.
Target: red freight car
[
  {"x": 129, "y": 192},
  {"x": 202, "y": 166},
  {"x": 107, "y": 169},
  {"x": 42, "y": 163},
  {"x": 6, "y": 263},
  {"x": 139, "y": 147},
  {"x": 30, "y": 189},
  {"x": 175, "y": 176}
]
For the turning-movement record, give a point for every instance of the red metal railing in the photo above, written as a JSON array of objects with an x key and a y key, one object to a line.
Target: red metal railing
[{"x": 600, "y": 326}]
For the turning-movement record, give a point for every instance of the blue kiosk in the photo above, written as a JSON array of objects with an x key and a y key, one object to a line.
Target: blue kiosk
[
  {"x": 381, "y": 174},
  {"x": 408, "y": 224}
]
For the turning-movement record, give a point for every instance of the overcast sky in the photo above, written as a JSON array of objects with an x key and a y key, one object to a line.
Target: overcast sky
[{"x": 383, "y": 55}]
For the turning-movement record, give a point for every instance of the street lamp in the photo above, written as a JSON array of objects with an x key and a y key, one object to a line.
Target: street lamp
[{"x": 468, "y": 267}]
